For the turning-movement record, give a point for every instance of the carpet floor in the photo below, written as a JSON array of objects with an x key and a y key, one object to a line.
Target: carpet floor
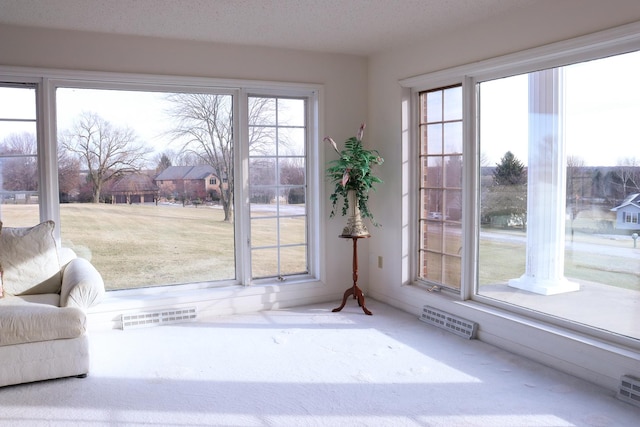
[{"x": 307, "y": 366}]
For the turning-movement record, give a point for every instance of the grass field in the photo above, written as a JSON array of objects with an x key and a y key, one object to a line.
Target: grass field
[
  {"x": 502, "y": 260},
  {"x": 148, "y": 245},
  {"x": 145, "y": 245}
]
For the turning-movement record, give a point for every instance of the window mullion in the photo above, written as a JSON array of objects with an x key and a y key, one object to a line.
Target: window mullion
[{"x": 241, "y": 201}]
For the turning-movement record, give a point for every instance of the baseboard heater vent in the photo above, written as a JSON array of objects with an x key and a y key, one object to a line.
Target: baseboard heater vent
[
  {"x": 629, "y": 390},
  {"x": 160, "y": 317},
  {"x": 464, "y": 328}
]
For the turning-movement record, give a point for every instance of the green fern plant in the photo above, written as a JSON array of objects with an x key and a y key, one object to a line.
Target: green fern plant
[{"x": 353, "y": 171}]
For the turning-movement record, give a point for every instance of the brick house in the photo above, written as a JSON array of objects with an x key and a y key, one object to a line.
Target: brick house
[
  {"x": 133, "y": 188},
  {"x": 189, "y": 183}
]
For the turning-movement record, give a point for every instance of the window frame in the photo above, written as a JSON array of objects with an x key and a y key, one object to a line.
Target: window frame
[
  {"x": 276, "y": 156},
  {"x": 32, "y": 85},
  {"x": 48, "y": 80},
  {"x": 615, "y": 41},
  {"x": 444, "y": 188}
]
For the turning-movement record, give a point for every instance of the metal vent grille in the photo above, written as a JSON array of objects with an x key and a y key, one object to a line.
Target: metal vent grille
[
  {"x": 629, "y": 390},
  {"x": 464, "y": 328},
  {"x": 160, "y": 317}
]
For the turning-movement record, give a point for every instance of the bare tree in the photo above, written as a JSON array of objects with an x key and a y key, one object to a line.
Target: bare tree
[
  {"x": 627, "y": 171},
  {"x": 575, "y": 177},
  {"x": 20, "y": 169},
  {"x": 68, "y": 175},
  {"x": 204, "y": 126},
  {"x": 108, "y": 152}
]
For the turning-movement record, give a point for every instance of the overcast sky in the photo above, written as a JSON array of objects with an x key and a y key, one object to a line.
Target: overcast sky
[{"x": 602, "y": 112}]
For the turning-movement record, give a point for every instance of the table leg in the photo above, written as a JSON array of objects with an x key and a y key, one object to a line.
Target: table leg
[
  {"x": 354, "y": 290},
  {"x": 344, "y": 299}
]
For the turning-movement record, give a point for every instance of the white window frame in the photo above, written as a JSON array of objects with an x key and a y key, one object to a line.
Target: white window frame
[
  {"x": 615, "y": 41},
  {"x": 48, "y": 80}
]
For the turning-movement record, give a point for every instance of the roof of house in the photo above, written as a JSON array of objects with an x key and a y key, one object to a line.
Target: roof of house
[
  {"x": 135, "y": 183},
  {"x": 631, "y": 200},
  {"x": 185, "y": 172}
]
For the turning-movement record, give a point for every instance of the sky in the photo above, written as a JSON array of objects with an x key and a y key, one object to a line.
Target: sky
[
  {"x": 145, "y": 112},
  {"x": 602, "y": 112},
  {"x": 602, "y": 116}
]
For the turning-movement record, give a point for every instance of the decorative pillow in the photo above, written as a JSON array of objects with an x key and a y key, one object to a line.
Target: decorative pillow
[{"x": 29, "y": 260}]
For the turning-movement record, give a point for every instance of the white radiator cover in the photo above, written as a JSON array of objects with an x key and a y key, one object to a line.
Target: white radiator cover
[
  {"x": 457, "y": 325},
  {"x": 629, "y": 390},
  {"x": 159, "y": 317}
]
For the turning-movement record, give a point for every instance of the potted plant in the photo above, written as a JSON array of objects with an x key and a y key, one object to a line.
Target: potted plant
[{"x": 352, "y": 178}]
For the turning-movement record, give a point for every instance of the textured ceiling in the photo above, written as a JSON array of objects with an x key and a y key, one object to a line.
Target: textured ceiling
[{"x": 358, "y": 27}]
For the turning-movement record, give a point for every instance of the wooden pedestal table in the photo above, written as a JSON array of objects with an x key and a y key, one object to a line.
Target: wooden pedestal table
[{"x": 354, "y": 290}]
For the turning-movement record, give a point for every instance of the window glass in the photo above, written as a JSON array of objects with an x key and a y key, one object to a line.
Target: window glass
[
  {"x": 19, "y": 186},
  {"x": 440, "y": 207},
  {"x": 146, "y": 184},
  {"x": 278, "y": 190},
  {"x": 560, "y": 192}
]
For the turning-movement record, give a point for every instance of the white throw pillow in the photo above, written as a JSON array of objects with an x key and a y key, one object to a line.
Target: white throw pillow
[{"x": 29, "y": 260}]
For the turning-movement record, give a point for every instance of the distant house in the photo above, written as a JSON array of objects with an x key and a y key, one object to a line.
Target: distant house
[
  {"x": 628, "y": 213},
  {"x": 134, "y": 188},
  {"x": 189, "y": 183}
]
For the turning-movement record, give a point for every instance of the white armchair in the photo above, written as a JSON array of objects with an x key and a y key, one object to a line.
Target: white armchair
[{"x": 44, "y": 293}]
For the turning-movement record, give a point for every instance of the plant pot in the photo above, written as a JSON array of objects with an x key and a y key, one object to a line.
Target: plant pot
[{"x": 355, "y": 227}]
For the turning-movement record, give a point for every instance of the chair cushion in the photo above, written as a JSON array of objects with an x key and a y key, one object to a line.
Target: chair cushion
[
  {"x": 24, "y": 322},
  {"x": 29, "y": 260}
]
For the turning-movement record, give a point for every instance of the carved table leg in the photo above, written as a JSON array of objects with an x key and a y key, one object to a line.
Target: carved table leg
[{"x": 354, "y": 290}]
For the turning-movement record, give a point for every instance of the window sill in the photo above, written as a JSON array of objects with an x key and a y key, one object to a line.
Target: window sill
[{"x": 210, "y": 301}]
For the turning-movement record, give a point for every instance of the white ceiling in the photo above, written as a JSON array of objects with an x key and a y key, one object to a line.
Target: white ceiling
[{"x": 359, "y": 27}]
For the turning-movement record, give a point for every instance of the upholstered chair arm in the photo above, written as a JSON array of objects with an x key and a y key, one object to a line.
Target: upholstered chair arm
[{"x": 82, "y": 285}]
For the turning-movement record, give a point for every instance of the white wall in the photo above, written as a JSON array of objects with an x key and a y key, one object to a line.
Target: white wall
[
  {"x": 357, "y": 89},
  {"x": 344, "y": 80},
  {"x": 544, "y": 23}
]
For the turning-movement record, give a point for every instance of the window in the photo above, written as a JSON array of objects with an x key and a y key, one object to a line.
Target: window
[
  {"x": 553, "y": 170},
  {"x": 132, "y": 176},
  {"x": 19, "y": 177},
  {"x": 440, "y": 207},
  {"x": 146, "y": 173},
  {"x": 549, "y": 182},
  {"x": 630, "y": 217},
  {"x": 278, "y": 191}
]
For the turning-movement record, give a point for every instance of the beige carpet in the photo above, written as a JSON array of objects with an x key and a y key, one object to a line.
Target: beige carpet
[{"x": 309, "y": 367}]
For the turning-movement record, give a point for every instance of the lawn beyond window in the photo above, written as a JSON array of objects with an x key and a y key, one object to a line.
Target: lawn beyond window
[{"x": 146, "y": 245}]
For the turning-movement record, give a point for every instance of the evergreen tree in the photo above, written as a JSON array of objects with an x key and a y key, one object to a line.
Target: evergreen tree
[
  {"x": 510, "y": 171},
  {"x": 505, "y": 202},
  {"x": 163, "y": 163}
]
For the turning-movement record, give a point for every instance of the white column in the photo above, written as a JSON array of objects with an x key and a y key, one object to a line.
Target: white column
[{"x": 546, "y": 188}]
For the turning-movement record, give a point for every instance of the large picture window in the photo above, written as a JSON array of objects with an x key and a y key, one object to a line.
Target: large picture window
[
  {"x": 557, "y": 160},
  {"x": 150, "y": 177},
  {"x": 134, "y": 180}
]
